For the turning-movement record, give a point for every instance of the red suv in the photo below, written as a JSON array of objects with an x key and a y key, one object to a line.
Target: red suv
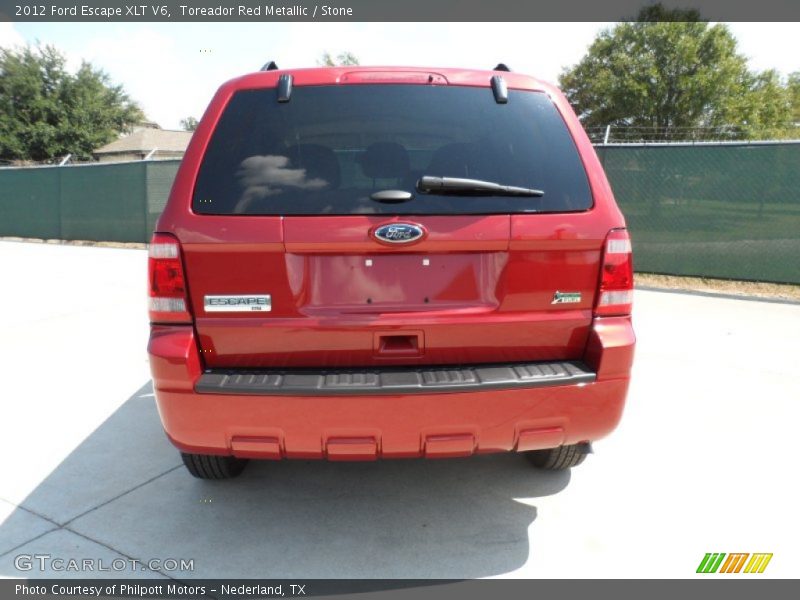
[{"x": 359, "y": 263}]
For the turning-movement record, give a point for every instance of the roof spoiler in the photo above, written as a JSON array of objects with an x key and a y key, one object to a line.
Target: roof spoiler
[{"x": 272, "y": 66}]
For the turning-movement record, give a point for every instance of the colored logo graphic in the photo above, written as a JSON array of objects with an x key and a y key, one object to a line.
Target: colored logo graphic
[{"x": 713, "y": 562}]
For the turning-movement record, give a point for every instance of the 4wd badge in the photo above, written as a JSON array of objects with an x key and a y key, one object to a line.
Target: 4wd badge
[{"x": 566, "y": 298}]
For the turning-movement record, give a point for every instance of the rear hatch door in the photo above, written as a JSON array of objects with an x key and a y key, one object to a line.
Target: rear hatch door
[{"x": 285, "y": 207}]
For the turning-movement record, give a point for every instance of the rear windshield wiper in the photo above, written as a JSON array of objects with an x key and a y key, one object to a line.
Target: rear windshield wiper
[{"x": 470, "y": 187}]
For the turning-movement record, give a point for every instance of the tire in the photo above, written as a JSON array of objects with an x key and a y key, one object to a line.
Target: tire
[
  {"x": 559, "y": 459},
  {"x": 206, "y": 466}
]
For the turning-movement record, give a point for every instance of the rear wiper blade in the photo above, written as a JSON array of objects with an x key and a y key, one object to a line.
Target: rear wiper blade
[{"x": 471, "y": 187}]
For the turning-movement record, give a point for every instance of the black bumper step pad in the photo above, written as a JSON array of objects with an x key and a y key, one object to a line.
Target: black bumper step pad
[{"x": 392, "y": 380}]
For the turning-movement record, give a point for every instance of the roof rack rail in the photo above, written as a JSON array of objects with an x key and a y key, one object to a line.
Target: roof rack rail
[
  {"x": 502, "y": 67},
  {"x": 270, "y": 66}
]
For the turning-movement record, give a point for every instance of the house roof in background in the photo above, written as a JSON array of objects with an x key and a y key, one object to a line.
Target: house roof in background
[{"x": 145, "y": 140}]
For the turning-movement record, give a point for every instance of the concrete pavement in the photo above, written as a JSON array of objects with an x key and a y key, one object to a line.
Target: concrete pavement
[{"x": 702, "y": 462}]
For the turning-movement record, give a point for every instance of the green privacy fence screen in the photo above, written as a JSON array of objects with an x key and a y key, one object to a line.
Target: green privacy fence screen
[
  {"x": 709, "y": 210},
  {"x": 713, "y": 210},
  {"x": 114, "y": 202}
]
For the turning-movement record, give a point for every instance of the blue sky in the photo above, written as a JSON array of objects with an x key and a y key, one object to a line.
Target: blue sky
[{"x": 172, "y": 69}]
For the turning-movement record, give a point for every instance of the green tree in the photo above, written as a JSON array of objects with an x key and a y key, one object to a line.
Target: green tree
[
  {"x": 765, "y": 109},
  {"x": 793, "y": 87},
  {"x": 343, "y": 59},
  {"x": 669, "y": 72},
  {"x": 189, "y": 124},
  {"x": 47, "y": 112}
]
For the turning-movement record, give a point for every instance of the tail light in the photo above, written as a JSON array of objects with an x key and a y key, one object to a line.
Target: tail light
[
  {"x": 615, "y": 293},
  {"x": 168, "y": 298}
]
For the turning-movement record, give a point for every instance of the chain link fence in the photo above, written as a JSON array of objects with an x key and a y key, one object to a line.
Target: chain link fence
[
  {"x": 724, "y": 210},
  {"x": 115, "y": 202},
  {"x": 627, "y": 134}
]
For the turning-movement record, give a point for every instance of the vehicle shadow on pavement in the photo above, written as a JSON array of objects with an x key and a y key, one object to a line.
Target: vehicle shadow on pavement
[{"x": 123, "y": 492}]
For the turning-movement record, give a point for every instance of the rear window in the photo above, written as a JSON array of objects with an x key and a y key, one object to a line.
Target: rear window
[{"x": 328, "y": 149}]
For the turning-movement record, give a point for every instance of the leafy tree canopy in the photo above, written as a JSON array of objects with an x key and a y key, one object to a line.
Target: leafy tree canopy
[
  {"x": 47, "y": 112},
  {"x": 670, "y": 71},
  {"x": 189, "y": 124},
  {"x": 794, "y": 95},
  {"x": 343, "y": 59}
]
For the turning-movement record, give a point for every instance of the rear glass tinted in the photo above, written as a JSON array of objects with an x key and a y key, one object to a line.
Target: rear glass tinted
[{"x": 329, "y": 148}]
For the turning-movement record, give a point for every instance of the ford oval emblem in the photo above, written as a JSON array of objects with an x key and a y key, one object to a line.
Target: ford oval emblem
[{"x": 398, "y": 233}]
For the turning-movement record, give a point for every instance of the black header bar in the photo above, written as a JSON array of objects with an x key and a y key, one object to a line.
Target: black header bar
[
  {"x": 380, "y": 10},
  {"x": 393, "y": 589}
]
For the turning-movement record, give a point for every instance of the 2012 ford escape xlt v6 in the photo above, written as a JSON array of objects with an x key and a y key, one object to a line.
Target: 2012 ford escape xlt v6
[{"x": 359, "y": 263}]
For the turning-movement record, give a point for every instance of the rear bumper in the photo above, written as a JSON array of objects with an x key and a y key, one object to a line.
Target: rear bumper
[{"x": 407, "y": 422}]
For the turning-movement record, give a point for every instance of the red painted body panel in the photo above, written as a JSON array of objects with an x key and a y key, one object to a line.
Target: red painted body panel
[
  {"x": 349, "y": 340},
  {"x": 473, "y": 289},
  {"x": 366, "y": 427},
  {"x": 408, "y": 426}
]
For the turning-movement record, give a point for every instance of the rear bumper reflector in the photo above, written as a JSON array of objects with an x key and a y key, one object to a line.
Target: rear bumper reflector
[
  {"x": 540, "y": 438},
  {"x": 352, "y": 449},
  {"x": 392, "y": 380},
  {"x": 256, "y": 447},
  {"x": 449, "y": 446}
]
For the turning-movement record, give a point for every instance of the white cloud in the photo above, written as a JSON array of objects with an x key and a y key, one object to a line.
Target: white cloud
[
  {"x": 769, "y": 45},
  {"x": 10, "y": 37},
  {"x": 147, "y": 62},
  {"x": 538, "y": 49}
]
